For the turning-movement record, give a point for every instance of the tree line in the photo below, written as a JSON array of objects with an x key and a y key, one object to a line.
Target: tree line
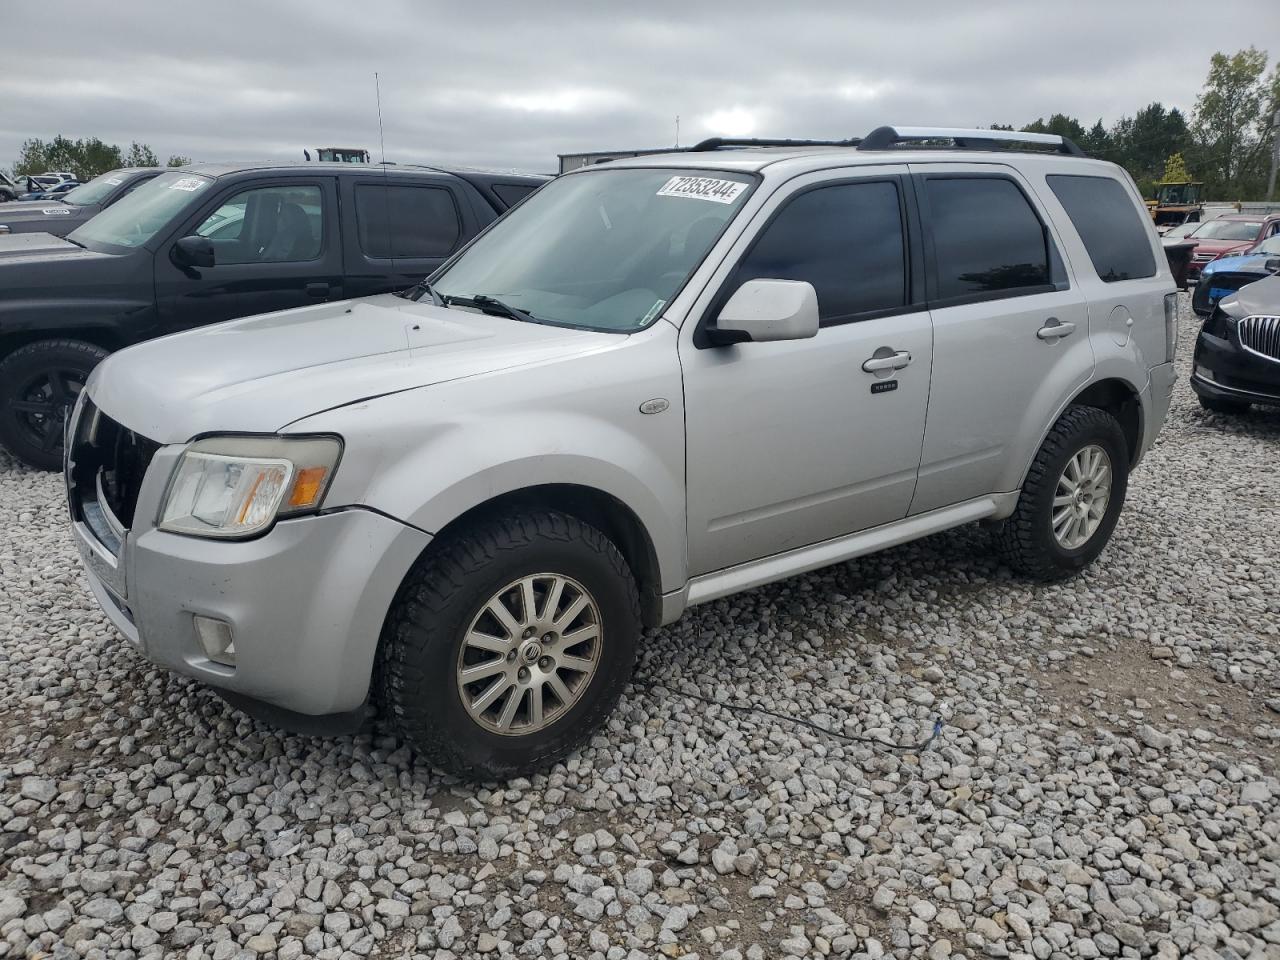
[
  {"x": 1226, "y": 142},
  {"x": 85, "y": 158}
]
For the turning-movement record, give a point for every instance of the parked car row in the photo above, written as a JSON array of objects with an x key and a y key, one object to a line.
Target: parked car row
[
  {"x": 78, "y": 203},
  {"x": 27, "y": 187},
  {"x": 655, "y": 382}
]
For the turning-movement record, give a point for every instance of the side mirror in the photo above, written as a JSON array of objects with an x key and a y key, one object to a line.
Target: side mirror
[
  {"x": 764, "y": 310},
  {"x": 193, "y": 252}
]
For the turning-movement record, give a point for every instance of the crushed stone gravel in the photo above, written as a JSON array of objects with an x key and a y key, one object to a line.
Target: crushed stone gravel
[{"x": 1105, "y": 785}]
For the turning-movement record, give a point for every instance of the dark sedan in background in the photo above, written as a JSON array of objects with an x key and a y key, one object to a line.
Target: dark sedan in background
[
  {"x": 62, "y": 215},
  {"x": 1237, "y": 358}
]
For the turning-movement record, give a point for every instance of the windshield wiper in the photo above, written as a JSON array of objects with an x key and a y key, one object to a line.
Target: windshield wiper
[
  {"x": 418, "y": 289},
  {"x": 494, "y": 305}
]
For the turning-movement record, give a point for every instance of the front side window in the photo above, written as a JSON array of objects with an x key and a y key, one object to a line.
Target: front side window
[
  {"x": 605, "y": 249},
  {"x": 267, "y": 225},
  {"x": 133, "y": 220},
  {"x": 846, "y": 239},
  {"x": 987, "y": 238},
  {"x": 1110, "y": 226},
  {"x": 406, "y": 221}
]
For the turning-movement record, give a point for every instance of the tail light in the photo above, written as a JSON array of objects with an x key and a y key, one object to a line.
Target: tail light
[{"x": 1170, "y": 326}]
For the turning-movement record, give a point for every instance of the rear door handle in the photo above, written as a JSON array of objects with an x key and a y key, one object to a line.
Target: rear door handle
[
  {"x": 891, "y": 361},
  {"x": 317, "y": 289},
  {"x": 1055, "y": 329}
]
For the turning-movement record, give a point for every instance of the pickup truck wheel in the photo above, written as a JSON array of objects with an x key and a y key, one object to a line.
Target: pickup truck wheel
[
  {"x": 39, "y": 384},
  {"x": 509, "y": 644},
  {"x": 1071, "y": 499}
]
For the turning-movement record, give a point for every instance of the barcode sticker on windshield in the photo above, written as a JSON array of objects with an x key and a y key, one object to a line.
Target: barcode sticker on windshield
[
  {"x": 703, "y": 188},
  {"x": 189, "y": 184}
]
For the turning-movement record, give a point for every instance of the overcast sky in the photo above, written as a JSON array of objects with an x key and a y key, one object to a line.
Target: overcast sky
[{"x": 512, "y": 85}]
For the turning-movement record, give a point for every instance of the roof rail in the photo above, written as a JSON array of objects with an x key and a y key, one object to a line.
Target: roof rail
[
  {"x": 882, "y": 138},
  {"x": 716, "y": 143}
]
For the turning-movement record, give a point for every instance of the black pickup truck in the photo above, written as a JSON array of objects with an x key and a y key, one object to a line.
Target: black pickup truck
[
  {"x": 213, "y": 242},
  {"x": 77, "y": 205}
]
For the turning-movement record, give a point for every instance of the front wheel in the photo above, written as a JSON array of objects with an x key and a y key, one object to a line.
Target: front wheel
[
  {"x": 1071, "y": 499},
  {"x": 509, "y": 644},
  {"x": 39, "y": 384}
]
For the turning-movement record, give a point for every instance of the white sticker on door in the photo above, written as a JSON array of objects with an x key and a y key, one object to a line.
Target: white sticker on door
[{"x": 703, "y": 188}]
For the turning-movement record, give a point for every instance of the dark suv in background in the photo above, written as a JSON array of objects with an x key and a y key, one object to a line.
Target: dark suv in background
[{"x": 213, "y": 242}]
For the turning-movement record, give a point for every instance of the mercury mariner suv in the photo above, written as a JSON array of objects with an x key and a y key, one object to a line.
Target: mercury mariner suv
[{"x": 654, "y": 383}]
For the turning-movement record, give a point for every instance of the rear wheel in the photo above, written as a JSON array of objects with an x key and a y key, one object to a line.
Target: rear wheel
[
  {"x": 509, "y": 644},
  {"x": 39, "y": 384},
  {"x": 1072, "y": 496},
  {"x": 1215, "y": 405}
]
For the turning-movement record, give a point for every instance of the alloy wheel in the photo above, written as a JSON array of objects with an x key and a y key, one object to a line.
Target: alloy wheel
[
  {"x": 529, "y": 654},
  {"x": 1081, "y": 497}
]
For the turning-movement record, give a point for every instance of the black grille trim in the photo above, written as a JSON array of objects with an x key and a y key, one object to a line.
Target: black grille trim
[{"x": 106, "y": 456}]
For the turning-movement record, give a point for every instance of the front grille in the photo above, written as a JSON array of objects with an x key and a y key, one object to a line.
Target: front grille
[
  {"x": 106, "y": 463},
  {"x": 1201, "y": 257},
  {"x": 1261, "y": 335}
]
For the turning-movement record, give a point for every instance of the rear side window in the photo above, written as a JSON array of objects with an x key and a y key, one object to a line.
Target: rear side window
[
  {"x": 847, "y": 240},
  {"x": 406, "y": 222},
  {"x": 987, "y": 238},
  {"x": 513, "y": 193},
  {"x": 1112, "y": 230}
]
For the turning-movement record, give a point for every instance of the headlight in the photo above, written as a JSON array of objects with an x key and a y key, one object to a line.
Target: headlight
[{"x": 234, "y": 487}]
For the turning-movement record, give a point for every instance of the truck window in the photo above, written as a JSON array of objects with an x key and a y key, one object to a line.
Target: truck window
[
  {"x": 987, "y": 238},
  {"x": 1108, "y": 223},
  {"x": 401, "y": 221},
  {"x": 513, "y": 193},
  {"x": 267, "y": 225},
  {"x": 846, "y": 239}
]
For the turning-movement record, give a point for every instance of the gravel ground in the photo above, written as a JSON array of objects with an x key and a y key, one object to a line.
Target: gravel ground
[{"x": 1105, "y": 784}]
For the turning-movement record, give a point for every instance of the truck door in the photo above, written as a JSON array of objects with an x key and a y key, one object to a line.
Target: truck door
[
  {"x": 403, "y": 227},
  {"x": 276, "y": 246}
]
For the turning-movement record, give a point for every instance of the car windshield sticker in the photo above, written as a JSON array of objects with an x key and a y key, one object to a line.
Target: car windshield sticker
[
  {"x": 55, "y": 211},
  {"x": 114, "y": 181},
  {"x": 653, "y": 311},
  {"x": 188, "y": 184},
  {"x": 703, "y": 188}
]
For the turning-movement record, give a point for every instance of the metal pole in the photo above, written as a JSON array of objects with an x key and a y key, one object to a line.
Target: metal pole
[{"x": 1275, "y": 155}]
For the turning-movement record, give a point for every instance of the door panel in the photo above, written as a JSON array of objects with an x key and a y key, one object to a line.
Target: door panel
[
  {"x": 1011, "y": 330},
  {"x": 788, "y": 444},
  {"x": 276, "y": 246}
]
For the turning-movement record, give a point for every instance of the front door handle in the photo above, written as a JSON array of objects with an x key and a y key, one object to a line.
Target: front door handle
[
  {"x": 317, "y": 289},
  {"x": 1055, "y": 329},
  {"x": 889, "y": 361}
]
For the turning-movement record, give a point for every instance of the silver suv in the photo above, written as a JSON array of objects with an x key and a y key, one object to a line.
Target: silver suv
[{"x": 654, "y": 383}]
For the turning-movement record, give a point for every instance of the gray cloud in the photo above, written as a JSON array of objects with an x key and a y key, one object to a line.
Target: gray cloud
[{"x": 511, "y": 85}]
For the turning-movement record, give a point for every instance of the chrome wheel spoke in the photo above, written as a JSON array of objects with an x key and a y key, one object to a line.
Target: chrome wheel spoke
[
  {"x": 581, "y": 635},
  {"x": 556, "y": 684},
  {"x": 504, "y": 617},
  {"x": 536, "y": 694},
  {"x": 571, "y": 612},
  {"x": 482, "y": 703},
  {"x": 552, "y": 602},
  {"x": 577, "y": 664},
  {"x": 528, "y": 602},
  {"x": 482, "y": 641},
  {"x": 482, "y": 670},
  {"x": 512, "y": 705}
]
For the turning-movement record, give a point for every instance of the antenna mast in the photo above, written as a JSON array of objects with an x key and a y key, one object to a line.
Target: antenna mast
[{"x": 382, "y": 144}]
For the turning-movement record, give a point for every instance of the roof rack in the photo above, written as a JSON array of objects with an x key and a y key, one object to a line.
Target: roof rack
[
  {"x": 717, "y": 143},
  {"x": 883, "y": 138}
]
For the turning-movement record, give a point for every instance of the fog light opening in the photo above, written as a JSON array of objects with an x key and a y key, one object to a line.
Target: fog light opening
[{"x": 216, "y": 639}]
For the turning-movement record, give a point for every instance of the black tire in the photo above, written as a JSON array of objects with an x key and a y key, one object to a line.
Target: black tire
[
  {"x": 39, "y": 384},
  {"x": 1026, "y": 538},
  {"x": 1230, "y": 407},
  {"x": 418, "y": 685}
]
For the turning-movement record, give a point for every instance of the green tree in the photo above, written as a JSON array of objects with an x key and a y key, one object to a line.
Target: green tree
[
  {"x": 178, "y": 160},
  {"x": 1230, "y": 121},
  {"x": 85, "y": 158},
  {"x": 140, "y": 155}
]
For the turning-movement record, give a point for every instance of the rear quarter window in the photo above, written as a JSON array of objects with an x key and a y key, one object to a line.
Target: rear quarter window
[
  {"x": 1110, "y": 225},
  {"x": 512, "y": 193}
]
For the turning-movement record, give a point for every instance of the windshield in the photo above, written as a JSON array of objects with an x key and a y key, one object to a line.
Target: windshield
[
  {"x": 603, "y": 250},
  {"x": 1228, "y": 230},
  {"x": 96, "y": 190},
  {"x": 135, "y": 219},
  {"x": 1269, "y": 245}
]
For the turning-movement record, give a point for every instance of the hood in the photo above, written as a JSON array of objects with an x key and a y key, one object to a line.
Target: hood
[
  {"x": 259, "y": 374},
  {"x": 1261, "y": 263},
  {"x": 1222, "y": 246},
  {"x": 43, "y": 216},
  {"x": 24, "y": 249},
  {"x": 1260, "y": 297}
]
